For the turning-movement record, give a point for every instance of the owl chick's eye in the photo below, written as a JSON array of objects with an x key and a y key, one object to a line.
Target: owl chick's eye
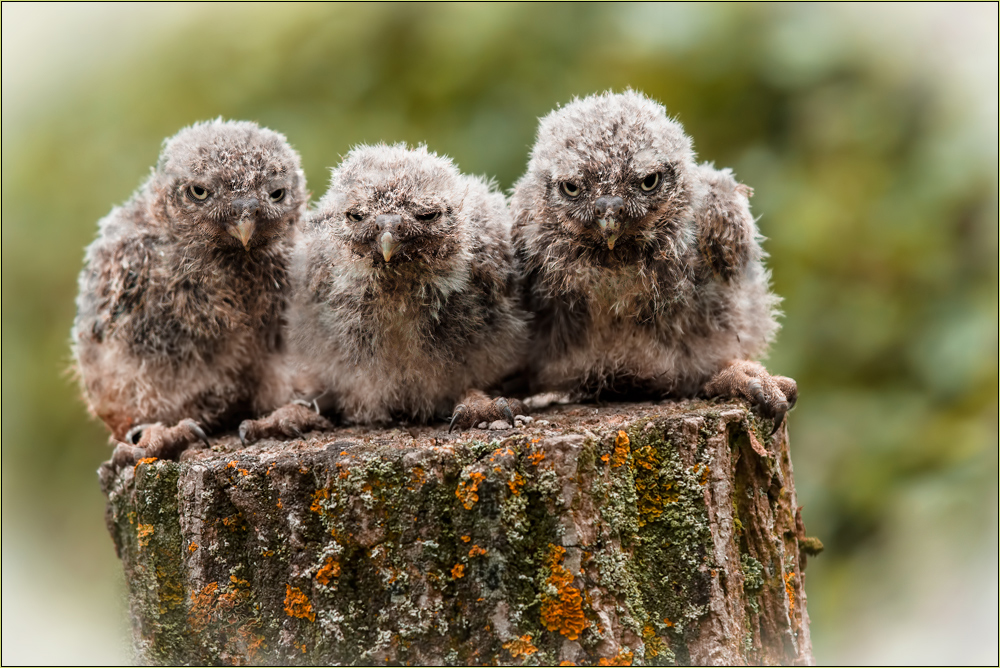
[
  {"x": 354, "y": 217},
  {"x": 277, "y": 195},
  {"x": 650, "y": 182},
  {"x": 428, "y": 217},
  {"x": 198, "y": 193},
  {"x": 571, "y": 189}
]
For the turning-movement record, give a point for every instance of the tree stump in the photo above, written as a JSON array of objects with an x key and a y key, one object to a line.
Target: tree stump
[{"x": 650, "y": 533}]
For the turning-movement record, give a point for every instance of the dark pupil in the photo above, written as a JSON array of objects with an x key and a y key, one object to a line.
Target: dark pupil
[
  {"x": 428, "y": 216},
  {"x": 277, "y": 194},
  {"x": 649, "y": 181},
  {"x": 198, "y": 191}
]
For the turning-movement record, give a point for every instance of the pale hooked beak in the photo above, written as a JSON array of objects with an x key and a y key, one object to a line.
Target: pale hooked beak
[
  {"x": 610, "y": 229},
  {"x": 243, "y": 231},
  {"x": 388, "y": 245}
]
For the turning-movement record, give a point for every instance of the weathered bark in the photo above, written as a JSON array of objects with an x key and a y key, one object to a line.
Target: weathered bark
[{"x": 644, "y": 533}]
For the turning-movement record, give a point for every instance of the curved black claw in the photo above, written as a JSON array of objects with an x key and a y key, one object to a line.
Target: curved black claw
[
  {"x": 756, "y": 391},
  {"x": 504, "y": 406},
  {"x": 198, "y": 431},
  {"x": 134, "y": 434},
  {"x": 460, "y": 411},
  {"x": 779, "y": 416}
]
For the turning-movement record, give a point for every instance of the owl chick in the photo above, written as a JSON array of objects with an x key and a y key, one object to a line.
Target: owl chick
[
  {"x": 182, "y": 293},
  {"x": 643, "y": 268},
  {"x": 404, "y": 296}
]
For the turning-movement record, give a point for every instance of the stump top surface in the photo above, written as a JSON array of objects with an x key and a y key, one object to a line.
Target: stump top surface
[{"x": 551, "y": 421}]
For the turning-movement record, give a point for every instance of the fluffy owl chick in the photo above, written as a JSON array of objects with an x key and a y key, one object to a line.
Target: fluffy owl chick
[
  {"x": 404, "y": 296},
  {"x": 183, "y": 291},
  {"x": 643, "y": 268}
]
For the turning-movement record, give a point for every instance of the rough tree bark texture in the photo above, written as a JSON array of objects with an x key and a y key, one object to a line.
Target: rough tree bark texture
[{"x": 627, "y": 533}]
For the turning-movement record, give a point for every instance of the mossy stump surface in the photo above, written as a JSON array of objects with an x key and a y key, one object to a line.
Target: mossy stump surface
[{"x": 596, "y": 535}]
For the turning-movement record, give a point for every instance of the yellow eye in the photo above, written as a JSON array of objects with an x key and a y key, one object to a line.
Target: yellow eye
[
  {"x": 198, "y": 192},
  {"x": 571, "y": 189},
  {"x": 277, "y": 195},
  {"x": 650, "y": 182}
]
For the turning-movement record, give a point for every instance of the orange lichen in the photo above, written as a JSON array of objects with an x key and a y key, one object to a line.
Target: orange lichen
[
  {"x": 143, "y": 532},
  {"x": 200, "y": 612},
  {"x": 790, "y": 590},
  {"x": 144, "y": 460},
  {"x": 466, "y": 539},
  {"x": 417, "y": 478},
  {"x": 604, "y": 458},
  {"x": 319, "y": 496},
  {"x": 702, "y": 471},
  {"x": 620, "y": 455},
  {"x": 536, "y": 457},
  {"x": 297, "y": 604},
  {"x": 519, "y": 647},
  {"x": 667, "y": 622},
  {"x": 192, "y": 547},
  {"x": 566, "y": 663},
  {"x": 330, "y": 569},
  {"x": 476, "y": 551},
  {"x": 650, "y": 504},
  {"x": 654, "y": 643},
  {"x": 516, "y": 483},
  {"x": 466, "y": 491},
  {"x": 458, "y": 571},
  {"x": 564, "y": 611},
  {"x": 623, "y": 658},
  {"x": 268, "y": 553}
]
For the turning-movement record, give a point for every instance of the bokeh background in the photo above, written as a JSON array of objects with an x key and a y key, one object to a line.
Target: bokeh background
[{"x": 869, "y": 135}]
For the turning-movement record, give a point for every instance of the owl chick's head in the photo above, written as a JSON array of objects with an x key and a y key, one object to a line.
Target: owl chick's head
[
  {"x": 398, "y": 207},
  {"x": 233, "y": 184},
  {"x": 610, "y": 169}
]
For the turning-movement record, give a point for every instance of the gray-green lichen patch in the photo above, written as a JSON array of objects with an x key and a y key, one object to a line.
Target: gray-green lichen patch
[{"x": 586, "y": 539}]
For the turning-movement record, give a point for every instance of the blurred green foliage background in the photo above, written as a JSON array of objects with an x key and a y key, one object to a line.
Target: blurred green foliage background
[{"x": 869, "y": 135}]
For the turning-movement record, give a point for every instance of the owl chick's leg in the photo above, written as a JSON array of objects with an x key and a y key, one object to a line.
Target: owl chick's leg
[
  {"x": 773, "y": 395},
  {"x": 477, "y": 407},
  {"x": 157, "y": 441},
  {"x": 290, "y": 421}
]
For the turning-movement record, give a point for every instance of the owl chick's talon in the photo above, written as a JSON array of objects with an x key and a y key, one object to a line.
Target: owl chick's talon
[
  {"x": 477, "y": 407},
  {"x": 134, "y": 434},
  {"x": 459, "y": 414},
  {"x": 196, "y": 430},
  {"x": 756, "y": 392},
  {"x": 772, "y": 396},
  {"x": 779, "y": 417},
  {"x": 290, "y": 421},
  {"x": 504, "y": 407}
]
